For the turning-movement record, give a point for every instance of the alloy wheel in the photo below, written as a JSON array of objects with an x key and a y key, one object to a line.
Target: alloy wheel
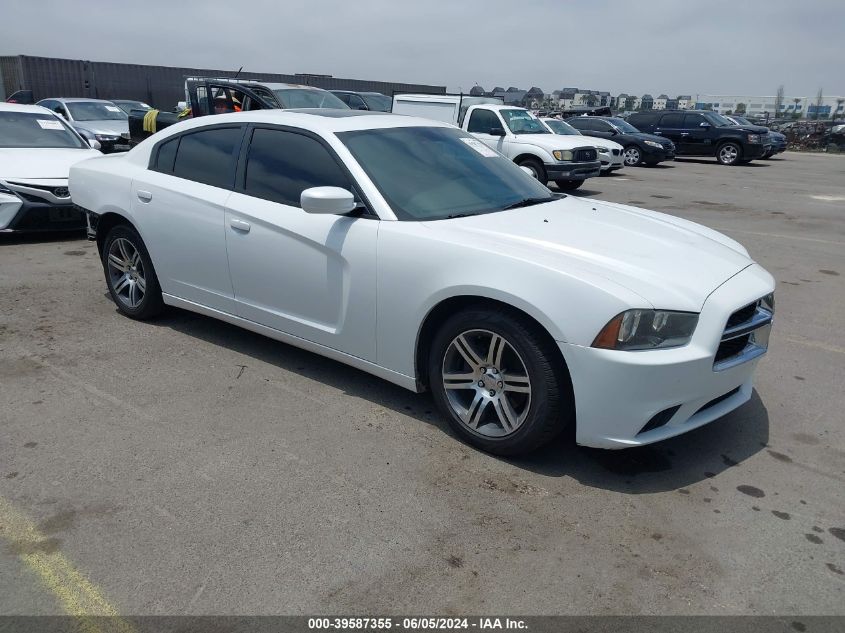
[
  {"x": 728, "y": 154},
  {"x": 126, "y": 272},
  {"x": 486, "y": 383},
  {"x": 632, "y": 157}
]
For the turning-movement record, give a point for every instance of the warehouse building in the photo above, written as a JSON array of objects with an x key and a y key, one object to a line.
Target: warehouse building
[{"x": 160, "y": 86}]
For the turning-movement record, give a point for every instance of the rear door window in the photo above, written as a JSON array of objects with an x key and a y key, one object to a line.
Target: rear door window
[
  {"x": 672, "y": 120},
  {"x": 209, "y": 156},
  {"x": 692, "y": 120}
]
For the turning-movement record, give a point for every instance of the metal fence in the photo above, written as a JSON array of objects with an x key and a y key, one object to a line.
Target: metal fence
[{"x": 160, "y": 86}]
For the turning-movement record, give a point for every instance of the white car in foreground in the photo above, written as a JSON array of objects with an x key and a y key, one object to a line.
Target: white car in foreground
[
  {"x": 408, "y": 249},
  {"x": 36, "y": 152},
  {"x": 610, "y": 153}
]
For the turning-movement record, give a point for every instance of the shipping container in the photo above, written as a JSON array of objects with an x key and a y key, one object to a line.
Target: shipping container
[{"x": 160, "y": 86}]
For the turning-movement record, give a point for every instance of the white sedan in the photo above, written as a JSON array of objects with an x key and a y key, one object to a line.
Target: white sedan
[
  {"x": 406, "y": 248},
  {"x": 36, "y": 152},
  {"x": 610, "y": 152}
]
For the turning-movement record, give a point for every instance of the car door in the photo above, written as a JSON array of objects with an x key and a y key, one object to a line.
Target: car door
[
  {"x": 600, "y": 128},
  {"x": 178, "y": 204},
  {"x": 309, "y": 275},
  {"x": 481, "y": 123},
  {"x": 671, "y": 126},
  {"x": 695, "y": 139}
]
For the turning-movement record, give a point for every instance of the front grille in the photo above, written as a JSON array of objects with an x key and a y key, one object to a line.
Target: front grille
[
  {"x": 742, "y": 315},
  {"x": 731, "y": 347},
  {"x": 616, "y": 152},
  {"x": 60, "y": 191},
  {"x": 585, "y": 155}
]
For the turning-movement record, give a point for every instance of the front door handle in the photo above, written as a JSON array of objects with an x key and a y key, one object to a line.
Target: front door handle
[
  {"x": 144, "y": 196},
  {"x": 684, "y": 133},
  {"x": 239, "y": 225}
]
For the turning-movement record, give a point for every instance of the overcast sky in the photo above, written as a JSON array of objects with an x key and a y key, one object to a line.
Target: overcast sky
[{"x": 653, "y": 46}]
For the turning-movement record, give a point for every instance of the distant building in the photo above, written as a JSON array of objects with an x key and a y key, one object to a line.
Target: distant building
[
  {"x": 660, "y": 102},
  {"x": 646, "y": 103},
  {"x": 684, "y": 102},
  {"x": 756, "y": 105},
  {"x": 477, "y": 91}
]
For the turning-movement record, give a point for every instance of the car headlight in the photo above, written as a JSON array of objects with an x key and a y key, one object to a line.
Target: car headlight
[
  {"x": 108, "y": 138},
  {"x": 654, "y": 144},
  {"x": 768, "y": 302},
  {"x": 603, "y": 150},
  {"x": 563, "y": 154},
  {"x": 753, "y": 138},
  {"x": 647, "y": 329}
]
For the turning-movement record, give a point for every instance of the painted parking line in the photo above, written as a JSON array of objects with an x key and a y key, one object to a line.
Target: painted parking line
[{"x": 78, "y": 596}]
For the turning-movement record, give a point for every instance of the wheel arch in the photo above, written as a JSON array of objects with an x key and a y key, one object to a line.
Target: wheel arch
[
  {"x": 107, "y": 221},
  {"x": 441, "y": 311}
]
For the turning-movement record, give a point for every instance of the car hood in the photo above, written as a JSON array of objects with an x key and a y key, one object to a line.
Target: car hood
[
  {"x": 643, "y": 136},
  {"x": 670, "y": 262},
  {"x": 753, "y": 129},
  {"x": 553, "y": 141},
  {"x": 36, "y": 163},
  {"x": 103, "y": 127}
]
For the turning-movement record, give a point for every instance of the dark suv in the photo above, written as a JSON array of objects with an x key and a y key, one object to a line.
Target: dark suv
[
  {"x": 704, "y": 133},
  {"x": 637, "y": 148}
]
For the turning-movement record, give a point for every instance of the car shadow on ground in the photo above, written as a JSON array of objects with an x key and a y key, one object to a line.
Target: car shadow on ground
[
  {"x": 756, "y": 162},
  {"x": 669, "y": 465},
  {"x": 40, "y": 237}
]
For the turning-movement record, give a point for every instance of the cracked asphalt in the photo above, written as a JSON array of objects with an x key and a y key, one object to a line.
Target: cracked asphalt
[{"x": 185, "y": 466}]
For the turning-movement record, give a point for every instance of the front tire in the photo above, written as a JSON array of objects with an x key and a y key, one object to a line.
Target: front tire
[
  {"x": 130, "y": 276},
  {"x": 536, "y": 167},
  {"x": 499, "y": 382},
  {"x": 568, "y": 185},
  {"x": 729, "y": 154},
  {"x": 632, "y": 156}
]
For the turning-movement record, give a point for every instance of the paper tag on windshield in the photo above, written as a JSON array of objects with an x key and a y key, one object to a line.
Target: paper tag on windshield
[
  {"x": 112, "y": 108},
  {"x": 49, "y": 125},
  {"x": 480, "y": 147}
]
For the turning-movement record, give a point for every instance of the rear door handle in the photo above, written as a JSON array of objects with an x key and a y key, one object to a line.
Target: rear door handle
[
  {"x": 144, "y": 196},
  {"x": 239, "y": 225}
]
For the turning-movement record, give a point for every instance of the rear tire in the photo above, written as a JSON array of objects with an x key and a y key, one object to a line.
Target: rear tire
[
  {"x": 568, "y": 185},
  {"x": 536, "y": 167},
  {"x": 508, "y": 392},
  {"x": 729, "y": 153},
  {"x": 130, "y": 276},
  {"x": 632, "y": 156}
]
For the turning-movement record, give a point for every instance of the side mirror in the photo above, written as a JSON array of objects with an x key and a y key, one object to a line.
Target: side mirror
[
  {"x": 496, "y": 131},
  {"x": 362, "y": 107},
  {"x": 94, "y": 143},
  {"x": 327, "y": 200},
  {"x": 704, "y": 124}
]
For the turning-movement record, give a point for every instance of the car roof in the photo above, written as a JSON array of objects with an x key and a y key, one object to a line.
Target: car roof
[
  {"x": 255, "y": 82},
  {"x": 325, "y": 120},
  {"x": 73, "y": 99},
  {"x": 20, "y": 107}
]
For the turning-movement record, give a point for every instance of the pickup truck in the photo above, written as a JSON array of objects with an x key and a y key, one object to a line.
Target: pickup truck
[
  {"x": 514, "y": 132},
  {"x": 207, "y": 95}
]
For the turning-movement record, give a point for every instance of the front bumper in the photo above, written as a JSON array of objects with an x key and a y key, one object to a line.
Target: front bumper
[
  {"x": 573, "y": 171},
  {"x": 618, "y": 393},
  {"x": 754, "y": 150},
  {"x": 34, "y": 209},
  {"x": 657, "y": 154},
  {"x": 610, "y": 161}
]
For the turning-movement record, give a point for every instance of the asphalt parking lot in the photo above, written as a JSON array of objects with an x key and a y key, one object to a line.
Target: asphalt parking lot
[{"x": 185, "y": 466}]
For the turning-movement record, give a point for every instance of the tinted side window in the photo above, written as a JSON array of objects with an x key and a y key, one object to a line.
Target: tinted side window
[
  {"x": 209, "y": 156},
  {"x": 673, "y": 120},
  {"x": 579, "y": 123},
  {"x": 692, "y": 120},
  {"x": 600, "y": 126},
  {"x": 280, "y": 165},
  {"x": 482, "y": 121},
  {"x": 356, "y": 102},
  {"x": 166, "y": 156}
]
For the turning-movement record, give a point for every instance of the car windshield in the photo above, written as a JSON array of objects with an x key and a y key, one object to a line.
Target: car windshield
[
  {"x": 718, "y": 120},
  {"x": 623, "y": 126},
  {"x": 433, "y": 173},
  {"x": 308, "y": 98},
  {"x": 378, "y": 103},
  {"x": 741, "y": 120},
  {"x": 95, "y": 111},
  {"x": 560, "y": 127},
  {"x": 31, "y": 129},
  {"x": 128, "y": 106},
  {"x": 523, "y": 122}
]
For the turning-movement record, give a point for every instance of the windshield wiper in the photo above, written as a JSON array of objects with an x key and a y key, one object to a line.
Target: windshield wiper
[
  {"x": 460, "y": 215},
  {"x": 526, "y": 202}
]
